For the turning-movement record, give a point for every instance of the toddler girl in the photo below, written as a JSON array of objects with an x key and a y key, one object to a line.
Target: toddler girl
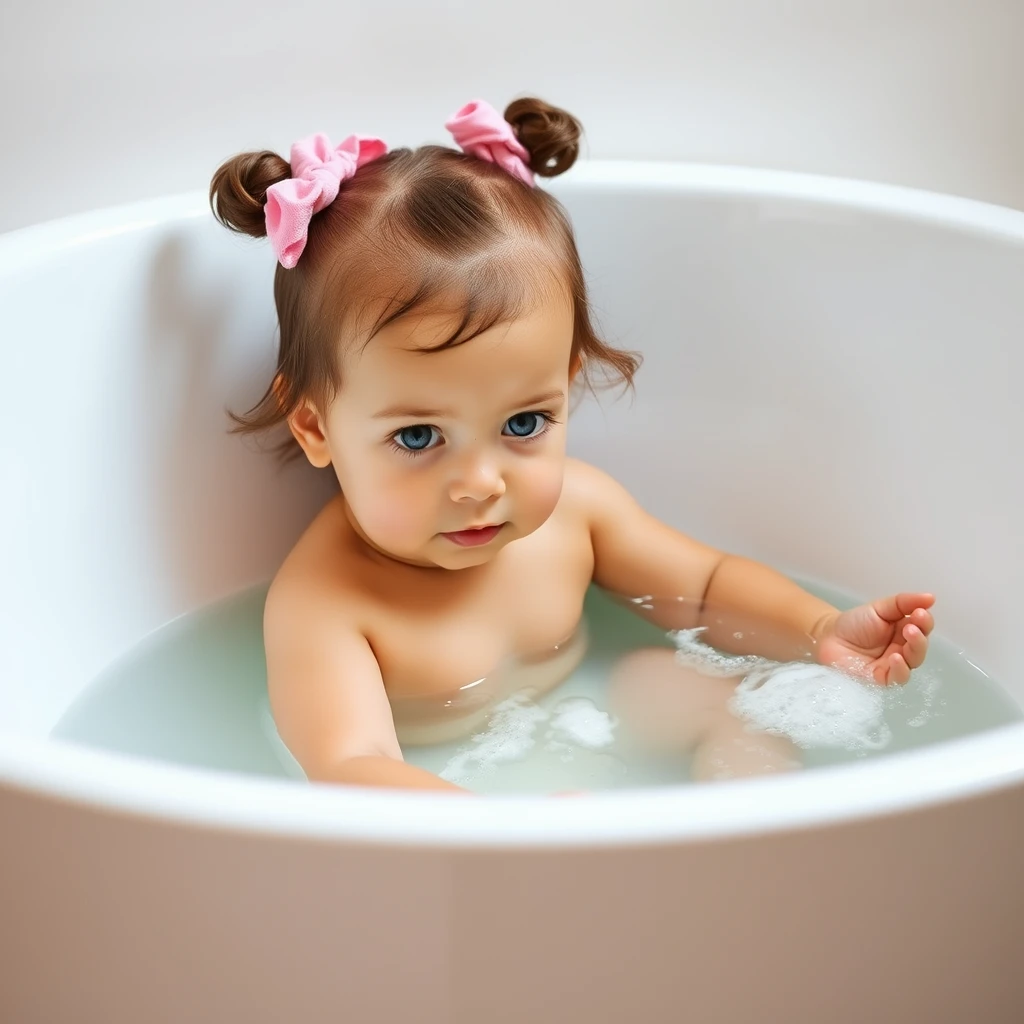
[{"x": 433, "y": 324}]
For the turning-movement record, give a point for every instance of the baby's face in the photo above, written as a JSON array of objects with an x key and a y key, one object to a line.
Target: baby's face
[{"x": 445, "y": 457}]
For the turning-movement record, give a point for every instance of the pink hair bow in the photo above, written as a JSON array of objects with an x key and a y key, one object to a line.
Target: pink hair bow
[
  {"x": 480, "y": 130},
  {"x": 318, "y": 170}
]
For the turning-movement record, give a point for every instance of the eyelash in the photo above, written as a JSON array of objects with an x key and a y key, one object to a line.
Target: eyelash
[{"x": 548, "y": 418}]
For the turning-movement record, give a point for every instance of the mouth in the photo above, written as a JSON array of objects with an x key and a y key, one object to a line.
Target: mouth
[{"x": 475, "y": 537}]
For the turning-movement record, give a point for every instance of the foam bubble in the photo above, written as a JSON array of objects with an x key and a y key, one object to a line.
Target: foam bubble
[
  {"x": 692, "y": 652},
  {"x": 922, "y": 689},
  {"x": 814, "y": 705},
  {"x": 509, "y": 736},
  {"x": 579, "y": 722},
  {"x": 576, "y": 722}
]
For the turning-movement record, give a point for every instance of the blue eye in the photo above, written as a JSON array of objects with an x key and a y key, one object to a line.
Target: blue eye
[
  {"x": 525, "y": 424},
  {"x": 417, "y": 438}
]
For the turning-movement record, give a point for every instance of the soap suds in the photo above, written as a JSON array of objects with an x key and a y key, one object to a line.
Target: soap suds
[
  {"x": 509, "y": 736},
  {"x": 576, "y": 722},
  {"x": 692, "y": 652},
  {"x": 813, "y": 705}
]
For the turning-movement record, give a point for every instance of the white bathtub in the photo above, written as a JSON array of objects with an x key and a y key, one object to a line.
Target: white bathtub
[{"x": 831, "y": 384}]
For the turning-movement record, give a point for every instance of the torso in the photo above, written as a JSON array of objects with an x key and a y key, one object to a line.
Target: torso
[{"x": 450, "y": 644}]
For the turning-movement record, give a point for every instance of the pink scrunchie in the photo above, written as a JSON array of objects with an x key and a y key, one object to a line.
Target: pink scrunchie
[
  {"x": 480, "y": 130},
  {"x": 318, "y": 171}
]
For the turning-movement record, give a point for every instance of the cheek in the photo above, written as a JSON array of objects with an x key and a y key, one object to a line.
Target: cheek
[
  {"x": 540, "y": 486},
  {"x": 394, "y": 513},
  {"x": 389, "y": 502}
]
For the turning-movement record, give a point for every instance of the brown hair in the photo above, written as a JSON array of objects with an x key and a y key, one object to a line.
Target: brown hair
[{"x": 426, "y": 228}]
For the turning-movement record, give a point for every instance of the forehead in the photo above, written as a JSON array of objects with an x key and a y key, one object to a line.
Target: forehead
[{"x": 402, "y": 362}]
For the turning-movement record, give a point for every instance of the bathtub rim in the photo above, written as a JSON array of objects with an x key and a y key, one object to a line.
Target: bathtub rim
[
  {"x": 19, "y": 245},
  {"x": 943, "y": 773},
  {"x": 909, "y": 781}
]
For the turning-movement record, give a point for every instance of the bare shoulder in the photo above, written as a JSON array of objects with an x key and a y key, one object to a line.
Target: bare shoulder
[
  {"x": 586, "y": 478},
  {"x": 323, "y": 679},
  {"x": 593, "y": 492},
  {"x": 315, "y": 580}
]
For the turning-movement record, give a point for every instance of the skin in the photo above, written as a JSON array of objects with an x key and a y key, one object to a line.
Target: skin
[{"x": 379, "y": 621}]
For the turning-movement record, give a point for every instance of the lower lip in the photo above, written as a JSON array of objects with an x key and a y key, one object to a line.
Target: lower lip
[{"x": 473, "y": 538}]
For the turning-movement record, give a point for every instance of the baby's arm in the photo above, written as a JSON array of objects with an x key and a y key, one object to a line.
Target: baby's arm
[
  {"x": 328, "y": 697},
  {"x": 636, "y": 554}
]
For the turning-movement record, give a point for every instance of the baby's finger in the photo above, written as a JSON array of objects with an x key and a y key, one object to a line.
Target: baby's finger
[
  {"x": 908, "y": 603},
  {"x": 923, "y": 620},
  {"x": 888, "y": 608},
  {"x": 899, "y": 671},
  {"x": 916, "y": 646},
  {"x": 894, "y": 608}
]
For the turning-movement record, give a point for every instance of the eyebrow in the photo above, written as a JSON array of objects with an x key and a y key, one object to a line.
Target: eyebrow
[{"x": 396, "y": 412}]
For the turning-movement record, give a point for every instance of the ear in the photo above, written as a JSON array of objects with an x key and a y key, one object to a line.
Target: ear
[
  {"x": 307, "y": 428},
  {"x": 575, "y": 365}
]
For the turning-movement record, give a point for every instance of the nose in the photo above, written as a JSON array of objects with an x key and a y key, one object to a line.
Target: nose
[{"x": 479, "y": 479}]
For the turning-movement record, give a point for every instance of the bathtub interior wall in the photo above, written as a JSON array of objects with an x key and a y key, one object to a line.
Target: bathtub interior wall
[
  {"x": 826, "y": 387},
  {"x": 129, "y": 336},
  {"x": 831, "y": 387}
]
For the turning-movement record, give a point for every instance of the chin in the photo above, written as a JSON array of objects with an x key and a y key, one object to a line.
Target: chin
[{"x": 466, "y": 558}]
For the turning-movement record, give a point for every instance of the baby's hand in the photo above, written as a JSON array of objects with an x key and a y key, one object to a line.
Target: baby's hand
[{"x": 883, "y": 640}]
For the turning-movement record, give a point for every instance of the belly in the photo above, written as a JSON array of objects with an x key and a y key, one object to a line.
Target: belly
[
  {"x": 448, "y": 655},
  {"x": 440, "y": 716}
]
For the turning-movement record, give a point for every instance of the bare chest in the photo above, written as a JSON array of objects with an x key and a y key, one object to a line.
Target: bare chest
[{"x": 442, "y": 635}]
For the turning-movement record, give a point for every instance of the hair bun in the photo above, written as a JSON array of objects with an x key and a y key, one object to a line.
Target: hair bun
[
  {"x": 549, "y": 134},
  {"x": 238, "y": 191}
]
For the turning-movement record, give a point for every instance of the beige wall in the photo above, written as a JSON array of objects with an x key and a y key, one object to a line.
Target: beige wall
[{"x": 120, "y": 99}]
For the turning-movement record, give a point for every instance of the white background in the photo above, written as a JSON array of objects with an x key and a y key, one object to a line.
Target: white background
[{"x": 111, "y": 100}]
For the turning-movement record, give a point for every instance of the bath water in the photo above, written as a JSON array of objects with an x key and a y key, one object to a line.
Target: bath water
[{"x": 194, "y": 693}]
